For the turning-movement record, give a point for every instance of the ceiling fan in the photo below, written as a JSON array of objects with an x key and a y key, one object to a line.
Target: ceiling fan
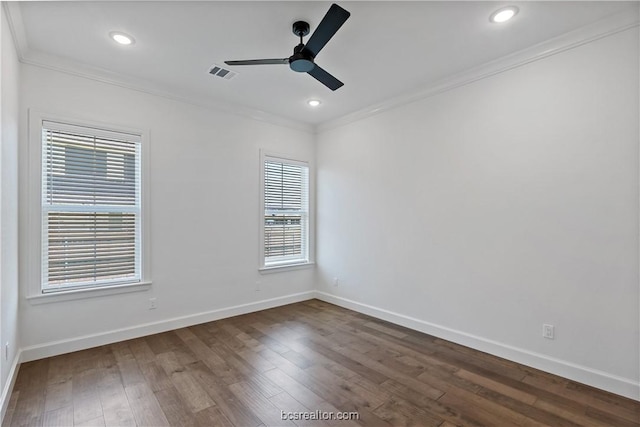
[{"x": 303, "y": 58}]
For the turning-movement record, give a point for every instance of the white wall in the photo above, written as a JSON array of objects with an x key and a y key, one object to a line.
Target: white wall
[
  {"x": 485, "y": 211},
  {"x": 8, "y": 203},
  {"x": 204, "y": 173}
]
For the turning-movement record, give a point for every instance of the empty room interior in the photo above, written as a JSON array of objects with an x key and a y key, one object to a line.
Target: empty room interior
[{"x": 301, "y": 213}]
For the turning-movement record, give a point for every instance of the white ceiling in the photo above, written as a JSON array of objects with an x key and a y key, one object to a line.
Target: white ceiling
[{"x": 384, "y": 50}]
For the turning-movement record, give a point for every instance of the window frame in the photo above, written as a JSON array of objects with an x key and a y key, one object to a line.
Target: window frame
[
  {"x": 310, "y": 259},
  {"x": 33, "y": 250}
]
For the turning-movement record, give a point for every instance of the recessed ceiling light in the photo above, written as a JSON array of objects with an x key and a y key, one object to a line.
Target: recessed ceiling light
[
  {"x": 121, "y": 38},
  {"x": 313, "y": 102},
  {"x": 503, "y": 15}
]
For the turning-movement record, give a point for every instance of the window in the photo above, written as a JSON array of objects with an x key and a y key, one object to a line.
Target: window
[
  {"x": 91, "y": 207},
  {"x": 285, "y": 237}
]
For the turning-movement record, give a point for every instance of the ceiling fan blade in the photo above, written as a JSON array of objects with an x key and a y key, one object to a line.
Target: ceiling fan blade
[
  {"x": 325, "y": 78},
  {"x": 259, "y": 62},
  {"x": 330, "y": 24}
]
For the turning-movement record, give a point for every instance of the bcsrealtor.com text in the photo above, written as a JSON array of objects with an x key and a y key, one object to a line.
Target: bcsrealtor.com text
[{"x": 319, "y": 415}]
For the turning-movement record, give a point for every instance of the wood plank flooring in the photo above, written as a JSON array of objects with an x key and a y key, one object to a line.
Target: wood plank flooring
[{"x": 305, "y": 357}]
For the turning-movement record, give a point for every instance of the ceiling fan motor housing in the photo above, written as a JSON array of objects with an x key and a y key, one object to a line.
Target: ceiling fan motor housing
[{"x": 301, "y": 61}]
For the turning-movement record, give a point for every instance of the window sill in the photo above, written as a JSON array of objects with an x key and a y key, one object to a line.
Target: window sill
[
  {"x": 75, "y": 294},
  {"x": 285, "y": 267}
]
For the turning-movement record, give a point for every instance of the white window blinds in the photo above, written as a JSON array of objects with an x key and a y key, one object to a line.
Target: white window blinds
[
  {"x": 90, "y": 207},
  {"x": 286, "y": 212}
]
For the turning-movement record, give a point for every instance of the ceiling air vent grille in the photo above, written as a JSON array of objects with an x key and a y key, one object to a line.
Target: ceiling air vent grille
[{"x": 223, "y": 73}]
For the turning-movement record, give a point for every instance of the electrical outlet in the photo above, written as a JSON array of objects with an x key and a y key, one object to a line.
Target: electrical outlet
[
  {"x": 335, "y": 281},
  {"x": 153, "y": 303},
  {"x": 548, "y": 331},
  {"x": 258, "y": 285}
]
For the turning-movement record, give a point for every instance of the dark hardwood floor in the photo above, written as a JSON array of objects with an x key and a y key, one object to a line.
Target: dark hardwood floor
[{"x": 305, "y": 357}]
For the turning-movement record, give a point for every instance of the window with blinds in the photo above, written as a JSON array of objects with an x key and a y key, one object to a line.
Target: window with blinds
[
  {"x": 286, "y": 212},
  {"x": 91, "y": 207}
]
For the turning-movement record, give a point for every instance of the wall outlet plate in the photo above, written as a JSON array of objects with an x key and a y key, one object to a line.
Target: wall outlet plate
[{"x": 548, "y": 331}]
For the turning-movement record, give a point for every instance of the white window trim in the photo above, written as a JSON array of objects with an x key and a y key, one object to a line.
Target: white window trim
[
  {"x": 32, "y": 251},
  {"x": 264, "y": 269}
]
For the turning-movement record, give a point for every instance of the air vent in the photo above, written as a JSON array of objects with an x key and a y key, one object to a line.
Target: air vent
[{"x": 223, "y": 73}]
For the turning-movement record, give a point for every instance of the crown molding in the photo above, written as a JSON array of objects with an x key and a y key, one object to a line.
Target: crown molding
[
  {"x": 51, "y": 62},
  {"x": 600, "y": 29},
  {"x": 16, "y": 27}
]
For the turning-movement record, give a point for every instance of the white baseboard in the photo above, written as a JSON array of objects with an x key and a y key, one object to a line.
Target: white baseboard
[
  {"x": 88, "y": 341},
  {"x": 8, "y": 386},
  {"x": 593, "y": 377}
]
